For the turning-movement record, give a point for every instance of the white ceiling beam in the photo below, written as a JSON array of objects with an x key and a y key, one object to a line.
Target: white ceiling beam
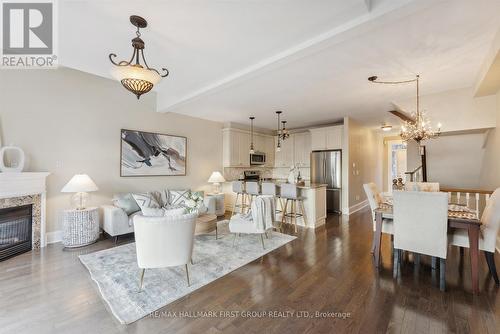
[{"x": 378, "y": 16}]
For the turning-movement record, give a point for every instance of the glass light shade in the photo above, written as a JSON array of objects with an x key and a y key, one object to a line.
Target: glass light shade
[
  {"x": 79, "y": 183},
  {"x": 136, "y": 72},
  {"x": 79, "y": 200},
  {"x": 252, "y": 151},
  {"x": 216, "y": 177}
]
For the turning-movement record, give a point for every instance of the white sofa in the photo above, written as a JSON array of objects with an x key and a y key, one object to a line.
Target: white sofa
[{"x": 117, "y": 222}]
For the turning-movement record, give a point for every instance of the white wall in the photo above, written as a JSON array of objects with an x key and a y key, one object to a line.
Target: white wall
[
  {"x": 490, "y": 171},
  {"x": 69, "y": 122},
  {"x": 362, "y": 163},
  {"x": 457, "y": 110}
]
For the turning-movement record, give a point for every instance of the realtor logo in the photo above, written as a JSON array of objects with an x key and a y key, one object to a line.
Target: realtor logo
[{"x": 28, "y": 34}]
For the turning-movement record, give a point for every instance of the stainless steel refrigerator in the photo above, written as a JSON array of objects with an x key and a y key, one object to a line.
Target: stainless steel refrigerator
[{"x": 326, "y": 167}]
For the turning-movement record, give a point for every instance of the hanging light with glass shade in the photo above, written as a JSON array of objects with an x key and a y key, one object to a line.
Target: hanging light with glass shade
[
  {"x": 136, "y": 77},
  {"x": 252, "y": 151}
]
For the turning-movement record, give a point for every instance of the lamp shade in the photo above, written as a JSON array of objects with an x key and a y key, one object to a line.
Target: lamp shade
[
  {"x": 216, "y": 177},
  {"x": 79, "y": 183}
]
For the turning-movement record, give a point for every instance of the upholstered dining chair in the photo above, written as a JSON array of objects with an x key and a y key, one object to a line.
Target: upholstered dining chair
[
  {"x": 420, "y": 226},
  {"x": 164, "y": 242},
  {"x": 375, "y": 199},
  {"x": 490, "y": 224},
  {"x": 422, "y": 186}
]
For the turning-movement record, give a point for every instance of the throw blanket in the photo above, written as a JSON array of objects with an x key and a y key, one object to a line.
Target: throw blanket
[{"x": 262, "y": 211}]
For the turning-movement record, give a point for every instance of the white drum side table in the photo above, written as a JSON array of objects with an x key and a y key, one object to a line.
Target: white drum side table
[
  {"x": 80, "y": 227},
  {"x": 220, "y": 209}
]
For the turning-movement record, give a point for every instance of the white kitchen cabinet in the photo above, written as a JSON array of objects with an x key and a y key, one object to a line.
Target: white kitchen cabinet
[
  {"x": 284, "y": 158},
  {"x": 328, "y": 138},
  {"x": 236, "y": 147},
  {"x": 302, "y": 149}
]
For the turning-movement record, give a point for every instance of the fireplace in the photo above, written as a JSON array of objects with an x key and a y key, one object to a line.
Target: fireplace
[{"x": 15, "y": 230}]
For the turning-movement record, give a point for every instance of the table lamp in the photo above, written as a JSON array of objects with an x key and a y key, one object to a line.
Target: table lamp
[
  {"x": 81, "y": 185},
  {"x": 216, "y": 178}
]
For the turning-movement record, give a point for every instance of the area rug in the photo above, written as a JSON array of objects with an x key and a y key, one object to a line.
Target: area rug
[{"x": 116, "y": 272}]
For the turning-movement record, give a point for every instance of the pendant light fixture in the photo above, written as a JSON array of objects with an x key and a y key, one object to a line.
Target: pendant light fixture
[
  {"x": 252, "y": 151},
  {"x": 278, "y": 146},
  {"x": 419, "y": 129},
  {"x": 136, "y": 77}
]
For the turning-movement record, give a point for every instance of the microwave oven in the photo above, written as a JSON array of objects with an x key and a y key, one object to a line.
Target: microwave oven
[{"x": 258, "y": 158}]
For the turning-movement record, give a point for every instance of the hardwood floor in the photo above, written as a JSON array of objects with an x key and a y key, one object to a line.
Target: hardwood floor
[{"x": 327, "y": 270}]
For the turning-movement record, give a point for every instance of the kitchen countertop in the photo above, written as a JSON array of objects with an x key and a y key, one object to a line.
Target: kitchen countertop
[{"x": 307, "y": 184}]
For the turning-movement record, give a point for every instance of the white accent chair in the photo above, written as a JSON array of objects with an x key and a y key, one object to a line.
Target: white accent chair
[
  {"x": 490, "y": 224},
  {"x": 258, "y": 221},
  {"x": 164, "y": 242},
  {"x": 375, "y": 199},
  {"x": 422, "y": 186},
  {"x": 420, "y": 226}
]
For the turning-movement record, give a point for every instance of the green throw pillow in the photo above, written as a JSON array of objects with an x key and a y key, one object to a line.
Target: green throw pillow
[{"x": 126, "y": 202}]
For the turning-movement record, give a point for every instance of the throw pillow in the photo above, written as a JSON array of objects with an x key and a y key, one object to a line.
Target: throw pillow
[
  {"x": 146, "y": 200},
  {"x": 178, "y": 197},
  {"x": 175, "y": 212},
  {"x": 153, "y": 212},
  {"x": 126, "y": 202}
]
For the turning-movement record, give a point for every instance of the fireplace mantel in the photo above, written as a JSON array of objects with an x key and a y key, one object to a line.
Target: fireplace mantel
[
  {"x": 22, "y": 184},
  {"x": 17, "y": 185}
]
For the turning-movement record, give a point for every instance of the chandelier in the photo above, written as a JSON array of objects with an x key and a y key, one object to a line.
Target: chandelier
[
  {"x": 283, "y": 133},
  {"x": 419, "y": 127},
  {"x": 136, "y": 78}
]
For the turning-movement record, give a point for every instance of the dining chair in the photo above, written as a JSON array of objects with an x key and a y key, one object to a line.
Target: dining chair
[
  {"x": 490, "y": 224},
  {"x": 420, "y": 226},
  {"x": 375, "y": 199},
  {"x": 422, "y": 186}
]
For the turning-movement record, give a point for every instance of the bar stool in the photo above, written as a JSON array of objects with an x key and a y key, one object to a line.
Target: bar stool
[
  {"x": 270, "y": 189},
  {"x": 291, "y": 194},
  {"x": 252, "y": 189},
  {"x": 239, "y": 189}
]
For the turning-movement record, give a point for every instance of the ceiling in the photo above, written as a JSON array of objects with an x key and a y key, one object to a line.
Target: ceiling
[{"x": 230, "y": 59}]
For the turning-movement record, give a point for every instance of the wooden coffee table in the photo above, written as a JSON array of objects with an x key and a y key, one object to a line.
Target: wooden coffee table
[{"x": 205, "y": 224}]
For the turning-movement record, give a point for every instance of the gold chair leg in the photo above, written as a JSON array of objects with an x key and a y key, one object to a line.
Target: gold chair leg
[
  {"x": 235, "y": 203},
  {"x": 234, "y": 239},
  {"x": 141, "y": 280},
  {"x": 187, "y": 274},
  {"x": 283, "y": 214},
  {"x": 262, "y": 240},
  {"x": 294, "y": 214},
  {"x": 303, "y": 211},
  {"x": 192, "y": 262}
]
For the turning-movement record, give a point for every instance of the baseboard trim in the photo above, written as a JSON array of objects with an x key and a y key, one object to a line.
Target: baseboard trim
[
  {"x": 53, "y": 237},
  {"x": 355, "y": 208}
]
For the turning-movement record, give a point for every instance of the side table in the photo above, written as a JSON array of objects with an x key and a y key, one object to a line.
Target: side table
[
  {"x": 80, "y": 227},
  {"x": 220, "y": 209}
]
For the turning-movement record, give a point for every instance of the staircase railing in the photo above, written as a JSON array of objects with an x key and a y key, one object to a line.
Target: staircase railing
[
  {"x": 468, "y": 197},
  {"x": 414, "y": 175}
]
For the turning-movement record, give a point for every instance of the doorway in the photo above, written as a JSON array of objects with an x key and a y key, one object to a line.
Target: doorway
[{"x": 396, "y": 164}]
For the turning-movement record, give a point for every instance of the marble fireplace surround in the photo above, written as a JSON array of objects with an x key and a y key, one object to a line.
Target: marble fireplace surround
[{"x": 18, "y": 189}]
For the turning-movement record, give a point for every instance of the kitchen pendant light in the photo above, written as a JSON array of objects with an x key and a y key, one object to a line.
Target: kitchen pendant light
[
  {"x": 281, "y": 131},
  {"x": 136, "y": 77},
  {"x": 252, "y": 151}
]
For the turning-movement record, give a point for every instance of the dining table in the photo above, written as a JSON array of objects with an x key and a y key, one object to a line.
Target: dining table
[{"x": 460, "y": 220}]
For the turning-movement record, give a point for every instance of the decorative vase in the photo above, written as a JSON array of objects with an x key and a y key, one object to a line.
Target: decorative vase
[{"x": 16, "y": 159}]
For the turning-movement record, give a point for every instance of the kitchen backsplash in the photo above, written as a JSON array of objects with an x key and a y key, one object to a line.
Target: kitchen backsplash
[{"x": 235, "y": 173}]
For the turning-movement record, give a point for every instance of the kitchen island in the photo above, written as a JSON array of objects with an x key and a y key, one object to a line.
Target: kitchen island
[{"x": 314, "y": 195}]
